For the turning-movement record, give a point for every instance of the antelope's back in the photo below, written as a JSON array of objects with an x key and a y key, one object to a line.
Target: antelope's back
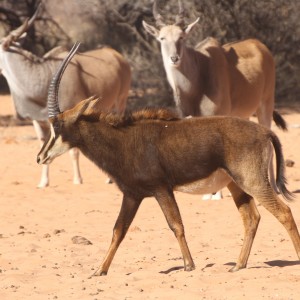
[{"x": 203, "y": 144}]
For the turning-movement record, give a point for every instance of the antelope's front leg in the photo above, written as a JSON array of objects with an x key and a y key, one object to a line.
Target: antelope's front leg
[
  {"x": 250, "y": 217},
  {"x": 128, "y": 210},
  {"x": 170, "y": 209}
]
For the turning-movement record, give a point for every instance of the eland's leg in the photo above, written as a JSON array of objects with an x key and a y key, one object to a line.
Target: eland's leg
[
  {"x": 74, "y": 153},
  {"x": 44, "y": 181},
  {"x": 126, "y": 215},
  {"x": 170, "y": 209},
  {"x": 216, "y": 196},
  {"x": 41, "y": 129},
  {"x": 250, "y": 217}
]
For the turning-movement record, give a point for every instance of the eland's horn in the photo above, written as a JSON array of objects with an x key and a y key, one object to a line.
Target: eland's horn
[
  {"x": 16, "y": 33},
  {"x": 53, "y": 106},
  {"x": 180, "y": 17},
  {"x": 157, "y": 16},
  {"x": 34, "y": 16},
  {"x": 27, "y": 23}
]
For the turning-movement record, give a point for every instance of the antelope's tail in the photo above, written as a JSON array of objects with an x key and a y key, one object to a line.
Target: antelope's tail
[{"x": 280, "y": 169}]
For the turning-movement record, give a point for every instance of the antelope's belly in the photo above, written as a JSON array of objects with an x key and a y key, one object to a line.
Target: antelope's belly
[{"x": 211, "y": 184}]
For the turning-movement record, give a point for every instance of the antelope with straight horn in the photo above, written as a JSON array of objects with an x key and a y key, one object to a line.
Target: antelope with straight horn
[
  {"x": 152, "y": 153},
  {"x": 236, "y": 79},
  {"x": 103, "y": 72}
]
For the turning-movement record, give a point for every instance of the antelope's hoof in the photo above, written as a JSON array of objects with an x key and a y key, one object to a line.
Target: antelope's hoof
[
  {"x": 99, "y": 272},
  {"x": 207, "y": 197},
  {"x": 216, "y": 196},
  {"x": 235, "y": 269},
  {"x": 189, "y": 268},
  {"x": 42, "y": 185},
  {"x": 77, "y": 181}
]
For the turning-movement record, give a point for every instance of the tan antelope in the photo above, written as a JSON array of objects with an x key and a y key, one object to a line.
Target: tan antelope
[
  {"x": 103, "y": 72},
  {"x": 236, "y": 79},
  {"x": 152, "y": 153}
]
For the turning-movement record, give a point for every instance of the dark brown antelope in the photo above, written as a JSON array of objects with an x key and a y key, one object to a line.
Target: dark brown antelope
[
  {"x": 236, "y": 79},
  {"x": 152, "y": 153},
  {"x": 103, "y": 72}
]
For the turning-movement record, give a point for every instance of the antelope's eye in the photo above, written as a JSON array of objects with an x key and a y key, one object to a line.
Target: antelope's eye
[
  {"x": 162, "y": 38},
  {"x": 56, "y": 127}
]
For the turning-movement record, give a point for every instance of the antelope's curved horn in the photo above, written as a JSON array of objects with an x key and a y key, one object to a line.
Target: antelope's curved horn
[
  {"x": 52, "y": 100},
  {"x": 180, "y": 17},
  {"x": 157, "y": 16}
]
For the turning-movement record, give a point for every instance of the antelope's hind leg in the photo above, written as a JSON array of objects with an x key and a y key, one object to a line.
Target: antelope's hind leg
[
  {"x": 282, "y": 213},
  {"x": 128, "y": 210},
  {"x": 250, "y": 217},
  {"x": 170, "y": 209}
]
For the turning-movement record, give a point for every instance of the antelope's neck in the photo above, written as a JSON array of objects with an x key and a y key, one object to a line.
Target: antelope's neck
[{"x": 102, "y": 144}]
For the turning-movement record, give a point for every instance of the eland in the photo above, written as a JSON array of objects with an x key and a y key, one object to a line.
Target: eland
[
  {"x": 236, "y": 79},
  {"x": 103, "y": 72}
]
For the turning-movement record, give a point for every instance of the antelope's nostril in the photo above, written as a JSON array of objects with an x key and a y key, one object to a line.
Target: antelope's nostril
[
  {"x": 38, "y": 159},
  {"x": 175, "y": 59}
]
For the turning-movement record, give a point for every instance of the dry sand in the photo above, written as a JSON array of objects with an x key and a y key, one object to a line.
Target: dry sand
[{"x": 38, "y": 259}]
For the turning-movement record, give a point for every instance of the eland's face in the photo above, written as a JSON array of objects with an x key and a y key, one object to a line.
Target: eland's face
[{"x": 171, "y": 38}]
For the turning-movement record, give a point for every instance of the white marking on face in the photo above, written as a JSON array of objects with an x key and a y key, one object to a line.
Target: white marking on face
[{"x": 53, "y": 148}]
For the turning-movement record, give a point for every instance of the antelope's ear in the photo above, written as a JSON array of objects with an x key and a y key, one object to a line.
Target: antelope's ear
[
  {"x": 151, "y": 29},
  {"x": 189, "y": 28},
  {"x": 83, "y": 108},
  {"x": 92, "y": 105}
]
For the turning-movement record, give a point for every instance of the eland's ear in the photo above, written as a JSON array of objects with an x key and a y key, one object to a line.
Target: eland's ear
[
  {"x": 151, "y": 29},
  {"x": 189, "y": 27}
]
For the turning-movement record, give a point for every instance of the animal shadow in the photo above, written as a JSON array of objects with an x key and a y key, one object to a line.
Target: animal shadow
[
  {"x": 272, "y": 263},
  {"x": 171, "y": 270},
  {"x": 282, "y": 263}
]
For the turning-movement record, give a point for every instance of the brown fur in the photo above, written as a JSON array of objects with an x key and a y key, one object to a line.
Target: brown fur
[
  {"x": 118, "y": 121},
  {"x": 154, "y": 156}
]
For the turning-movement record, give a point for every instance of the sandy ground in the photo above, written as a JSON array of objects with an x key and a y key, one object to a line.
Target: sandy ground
[{"x": 38, "y": 259}]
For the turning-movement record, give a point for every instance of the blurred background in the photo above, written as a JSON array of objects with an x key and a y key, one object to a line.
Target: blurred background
[{"x": 118, "y": 23}]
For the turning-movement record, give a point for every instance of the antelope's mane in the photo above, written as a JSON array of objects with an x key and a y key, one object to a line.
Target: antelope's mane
[{"x": 115, "y": 120}]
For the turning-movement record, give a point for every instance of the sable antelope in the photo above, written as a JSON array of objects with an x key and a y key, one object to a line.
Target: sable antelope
[
  {"x": 152, "y": 153},
  {"x": 236, "y": 79},
  {"x": 103, "y": 72}
]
